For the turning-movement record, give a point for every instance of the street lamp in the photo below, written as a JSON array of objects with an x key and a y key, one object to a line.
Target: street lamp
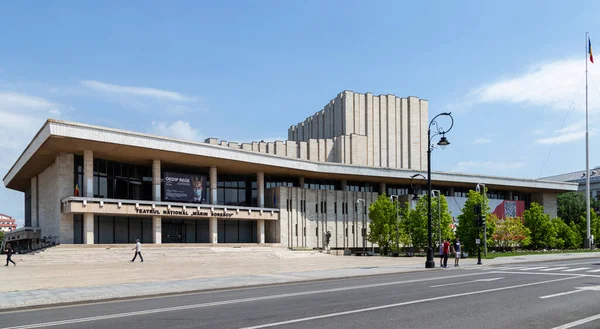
[
  {"x": 415, "y": 194},
  {"x": 397, "y": 245},
  {"x": 363, "y": 229},
  {"x": 439, "y": 193},
  {"x": 439, "y": 130},
  {"x": 483, "y": 192}
]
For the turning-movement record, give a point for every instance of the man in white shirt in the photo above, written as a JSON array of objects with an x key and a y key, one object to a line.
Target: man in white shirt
[{"x": 138, "y": 250}]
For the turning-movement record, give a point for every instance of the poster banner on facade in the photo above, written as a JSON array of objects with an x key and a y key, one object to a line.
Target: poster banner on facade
[{"x": 184, "y": 187}]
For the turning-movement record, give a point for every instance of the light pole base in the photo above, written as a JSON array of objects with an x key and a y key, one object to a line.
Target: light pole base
[
  {"x": 587, "y": 243},
  {"x": 430, "y": 263}
]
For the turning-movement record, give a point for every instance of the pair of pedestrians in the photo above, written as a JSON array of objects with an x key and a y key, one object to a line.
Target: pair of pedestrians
[{"x": 446, "y": 248}]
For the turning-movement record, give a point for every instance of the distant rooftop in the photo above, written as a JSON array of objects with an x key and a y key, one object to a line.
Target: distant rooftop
[{"x": 576, "y": 176}]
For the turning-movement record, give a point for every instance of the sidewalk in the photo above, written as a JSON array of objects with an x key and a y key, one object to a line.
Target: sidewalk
[{"x": 71, "y": 283}]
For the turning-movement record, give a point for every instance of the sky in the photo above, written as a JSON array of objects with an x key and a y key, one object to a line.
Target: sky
[{"x": 511, "y": 72}]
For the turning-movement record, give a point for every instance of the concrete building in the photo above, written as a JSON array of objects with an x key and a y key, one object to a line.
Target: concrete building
[
  {"x": 578, "y": 177},
  {"x": 7, "y": 223},
  {"x": 86, "y": 184}
]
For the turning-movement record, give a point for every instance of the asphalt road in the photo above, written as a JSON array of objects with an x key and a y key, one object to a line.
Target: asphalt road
[{"x": 551, "y": 295}]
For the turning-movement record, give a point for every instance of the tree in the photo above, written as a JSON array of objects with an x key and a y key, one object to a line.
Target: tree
[
  {"x": 467, "y": 229},
  {"x": 509, "y": 232},
  {"x": 415, "y": 223},
  {"x": 570, "y": 207},
  {"x": 1, "y": 237},
  {"x": 382, "y": 228},
  {"x": 542, "y": 230},
  {"x": 566, "y": 235}
]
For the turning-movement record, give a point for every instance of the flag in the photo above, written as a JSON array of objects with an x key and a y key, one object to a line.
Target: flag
[
  {"x": 590, "y": 50},
  {"x": 76, "y": 189}
]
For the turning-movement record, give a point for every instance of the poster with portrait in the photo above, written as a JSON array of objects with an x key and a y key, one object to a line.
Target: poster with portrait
[{"x": 184, "y": 187}]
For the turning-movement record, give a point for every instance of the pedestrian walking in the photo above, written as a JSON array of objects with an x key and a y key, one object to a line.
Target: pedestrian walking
[
  {"x": 445, "y": 252},
  {"x": 9, "y": 252},
  {"x": 138, "y": 250},
  {"x": 457, "y": 251}
]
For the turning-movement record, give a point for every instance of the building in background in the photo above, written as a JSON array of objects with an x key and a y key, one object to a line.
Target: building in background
[
  {"x": 579, "y": 178},
  {"x": 86, "y": 184},
  {"x": 7, "y": 223}
]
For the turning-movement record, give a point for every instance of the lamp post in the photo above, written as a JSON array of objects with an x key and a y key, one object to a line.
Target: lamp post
[
  {"x": 397, "y": 244},
  {"x": 483, "y": 192},
  {"x": 439, "y": 214},
  {"x": 439, "y": 130},
  {"x": 363, "y": 229},
  {"x": 415, "y": 194}
]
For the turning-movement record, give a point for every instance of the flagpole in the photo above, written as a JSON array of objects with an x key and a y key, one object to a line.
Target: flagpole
[{"x": 588, "y": 243}]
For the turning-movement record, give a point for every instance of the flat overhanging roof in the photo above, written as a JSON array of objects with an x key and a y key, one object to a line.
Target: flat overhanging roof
[{"x": 56, "y": 137}]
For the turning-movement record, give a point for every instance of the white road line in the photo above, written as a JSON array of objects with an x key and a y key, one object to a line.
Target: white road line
[
  {"x": 227, "y": 302},
  {"x": 561, "y": 294},
  {"x": 576, "y": 323},
  {"x": 593, "y": 271},
  {"x": 533, "y": 268},
  {"x": 554, "y": 269},
  {"x": 400, "y": 304},
  {"x": 465, "y": 282},
  {"x": 577, "y": 269}
]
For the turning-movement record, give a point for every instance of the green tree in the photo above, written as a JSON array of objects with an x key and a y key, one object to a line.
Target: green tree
[
  {"x": 467, "y": 228},
  {"x": 542, "y": 230},
  {"x": 382, "y": 227},
  {"x": 1, "y": 237},
  {"x": 566, "y": 237},
  {"x": 415, "y": 225},
  {"x": 570, "y": 207},
  {"x": 445, "y": 219}
]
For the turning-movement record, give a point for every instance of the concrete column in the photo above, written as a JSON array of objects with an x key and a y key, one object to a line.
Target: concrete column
[
  {"x": 510, "y": 195},
  {"x": 260, "y": 231},
  {"x": 88, "y": 228},
  {"x": 157, "y": 229},
  {"x": 451, "y": 191},
  {"x": 260, "y": 183},
  {"x": 213, "y": 229},
  {"x": 382, "y": 188},
  {"x": 213, "y": 184},
  {"x": 88, "y": 174},
  {"x": 301, "y": 182},
  {"x": 156, "y": 176},
  {"x": 343, "y": 184}
]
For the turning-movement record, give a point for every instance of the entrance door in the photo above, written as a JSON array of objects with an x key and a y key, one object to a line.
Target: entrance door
[{"x": 173, "y": 233}]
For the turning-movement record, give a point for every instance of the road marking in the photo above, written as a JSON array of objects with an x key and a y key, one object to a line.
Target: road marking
[
  {"x": 554, "y": 269},
  {"x": 576, "y": 323},
  {"x": 400, "y": 304},
  {"x": 561, "y": 294},
  {"x": 488, "y": 280},
  {"x": 465, "y": 282},
  {"x": 577, "y": 269},
  {"x": 530, "y": 268},
  {"x": 227, "y": 302},
  {"x": 593, "y": 271}
]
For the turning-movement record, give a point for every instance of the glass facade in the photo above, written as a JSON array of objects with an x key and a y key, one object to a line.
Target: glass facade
[
  {"x": 237, "y": 231},
  {"x": 237, "y": 190},
  {"x": 118, "y": 229},
  {"x": 116, "y": 180},
  {"x": 362, "y": 187},
  {"x": 177, "y": 230},
  {"x": 321, "y": 184}
]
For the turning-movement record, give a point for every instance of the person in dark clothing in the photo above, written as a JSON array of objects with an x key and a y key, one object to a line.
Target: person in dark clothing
[{"x": 9, "y": 252}]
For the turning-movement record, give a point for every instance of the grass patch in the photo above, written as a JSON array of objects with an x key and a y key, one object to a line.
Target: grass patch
[{"x": 516, "y": 253}]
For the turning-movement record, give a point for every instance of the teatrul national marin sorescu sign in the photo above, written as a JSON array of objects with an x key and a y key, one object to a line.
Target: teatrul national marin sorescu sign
[{"x": 184, "y": 187}]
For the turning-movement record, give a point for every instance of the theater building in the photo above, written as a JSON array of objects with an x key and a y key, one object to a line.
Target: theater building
[{"x": 86, "y": 184}]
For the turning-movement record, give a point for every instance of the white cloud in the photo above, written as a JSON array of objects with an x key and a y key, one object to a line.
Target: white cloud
[
  {"x": 136, "y": 91},
  {"x": 554, "y": 85},
  {"x": 178, "y": 129},
  {"x": 488, "y": 165},
  {"x": 570, "y": 133},
  {"x": 538, "y": 132},
  {"x": 482, "y": 141}
]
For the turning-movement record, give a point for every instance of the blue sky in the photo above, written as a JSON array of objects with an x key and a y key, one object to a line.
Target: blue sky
[{"x": 247, "y": 70}]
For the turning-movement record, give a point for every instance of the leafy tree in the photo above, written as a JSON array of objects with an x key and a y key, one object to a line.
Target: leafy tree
[
  {"x": 509, "y": 232},
  {"x": 542, "y": 230},
  {"x": 415, "y": 223},
  {"x": 566, "y": 236},
  {"x": 467, "y": 227},
  {"x": 570, "y": 207},
  {"x": 382, "y": 227},
  {"x": 1, "y": 236}
]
